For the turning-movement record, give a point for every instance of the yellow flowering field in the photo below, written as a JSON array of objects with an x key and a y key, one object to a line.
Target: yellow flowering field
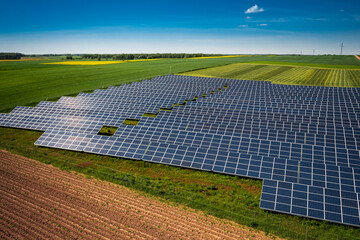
[
  {"x": 89, "y": 63},
  {"x": 227, "y": 56}
]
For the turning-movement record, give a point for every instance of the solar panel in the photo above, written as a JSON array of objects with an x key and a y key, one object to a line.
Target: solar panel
[
  {"x": 301, "y": 140},
  {"x": 311, "y": 201}
]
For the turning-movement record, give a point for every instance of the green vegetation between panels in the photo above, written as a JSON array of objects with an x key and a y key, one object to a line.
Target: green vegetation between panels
[
  {"x": 133, "y": 122},
  {"x": 281, "y": 74},
  {"x": 152, "y": 115},
  {"x": 107, "y": 130},
  {"x": 224, "y": 196},
  {"x": 165, "y": 109}
]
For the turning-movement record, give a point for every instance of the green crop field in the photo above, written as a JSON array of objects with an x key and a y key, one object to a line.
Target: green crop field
[
  {"x": 333, "y": 76},
  {"x": 332, "y": 60},
  {"x": 28, "y": 82}
]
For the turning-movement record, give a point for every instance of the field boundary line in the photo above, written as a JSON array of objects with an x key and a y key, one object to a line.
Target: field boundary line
[{"x": 348, "y": 67}]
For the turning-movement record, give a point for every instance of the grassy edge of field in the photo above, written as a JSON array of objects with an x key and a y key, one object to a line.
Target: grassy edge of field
[
  {"x": 313, "y": 65},
  {"x": 224, "y": 196}
]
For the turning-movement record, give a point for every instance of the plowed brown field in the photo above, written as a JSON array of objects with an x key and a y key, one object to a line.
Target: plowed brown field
[{"x": 38, "y": 201}]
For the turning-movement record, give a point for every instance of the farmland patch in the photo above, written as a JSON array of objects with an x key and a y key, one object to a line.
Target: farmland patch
[
  {"x": 43, "y": 202},
  {"x": 289, "y": 75},
  {"x": 91, "y": 63}
]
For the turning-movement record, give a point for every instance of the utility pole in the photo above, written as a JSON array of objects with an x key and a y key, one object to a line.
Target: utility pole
[{"x": 341, "y": 48}]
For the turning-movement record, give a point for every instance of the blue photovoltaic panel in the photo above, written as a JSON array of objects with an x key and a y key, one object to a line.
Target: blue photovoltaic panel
[
  {"x": 309, "y": 201},
  {"x": 302, "y": 140}
]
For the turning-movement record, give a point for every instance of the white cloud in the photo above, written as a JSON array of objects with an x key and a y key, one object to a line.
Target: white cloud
[
  {"x": 248, "y": 17},
  {"x": 262, "y": 25},
  {"x": 243, "y": 26},
  {"x": 254, "y": 9},
  {"x": 341, "y": 10}
]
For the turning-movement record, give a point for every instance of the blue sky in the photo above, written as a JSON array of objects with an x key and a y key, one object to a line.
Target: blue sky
[{"x": 230, "y": 27}]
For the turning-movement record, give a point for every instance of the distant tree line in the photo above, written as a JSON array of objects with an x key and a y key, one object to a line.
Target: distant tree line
[
  {"x": 145, "y": 56},
  {"x": 130, "y": 56},
  {"x": 10, "y": 56},
  {"x": 52, "y": 55}
]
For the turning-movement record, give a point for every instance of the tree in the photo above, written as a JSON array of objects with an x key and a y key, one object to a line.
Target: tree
[{"x": 10, "y": 56}]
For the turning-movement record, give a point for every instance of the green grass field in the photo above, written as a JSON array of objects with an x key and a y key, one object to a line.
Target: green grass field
[
  {"x": 28, "y": 82},
  {"x": 316, "y": 60}
]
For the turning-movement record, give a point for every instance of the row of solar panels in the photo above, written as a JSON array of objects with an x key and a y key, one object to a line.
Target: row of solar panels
[
  {"x": 227, "y": 104},
  {"x": 260, "y": 106},
  {"x": 265, "y": 137},
  {"x": 45, "y": 108},
  {"x": 249, "y": 93},
  {"x": 230, "y": 118},
  {"x": 312, "y": 173},
  {"x": 245, "y": 130},
  {"x": 270, "y": 131},
  {"x": 297, "y": 139}
]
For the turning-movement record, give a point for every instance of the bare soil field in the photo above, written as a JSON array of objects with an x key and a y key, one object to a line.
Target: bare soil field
[{"x": 39, "y": 201}]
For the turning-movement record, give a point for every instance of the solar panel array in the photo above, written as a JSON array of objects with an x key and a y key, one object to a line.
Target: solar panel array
[{"x": 302, "y": 140}]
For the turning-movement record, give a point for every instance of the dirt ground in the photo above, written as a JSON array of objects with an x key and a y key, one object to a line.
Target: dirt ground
[{"x": 38, "y": 201}]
